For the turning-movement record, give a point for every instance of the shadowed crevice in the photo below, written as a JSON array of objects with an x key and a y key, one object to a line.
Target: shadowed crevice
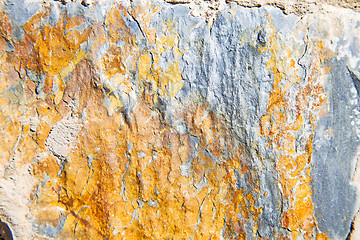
[{"x": 5, "y": 232}]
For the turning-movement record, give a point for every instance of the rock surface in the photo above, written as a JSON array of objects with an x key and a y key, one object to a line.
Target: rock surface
[{"x": 179, "y": 119}]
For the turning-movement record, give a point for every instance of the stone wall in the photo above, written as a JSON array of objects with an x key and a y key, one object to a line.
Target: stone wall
[{"x": 179, "y": 119}]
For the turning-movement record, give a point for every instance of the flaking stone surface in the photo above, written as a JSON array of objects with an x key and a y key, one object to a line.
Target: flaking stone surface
[{"x": 179, "y": 119}]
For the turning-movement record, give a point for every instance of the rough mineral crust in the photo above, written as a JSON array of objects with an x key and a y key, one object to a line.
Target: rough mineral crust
[{"x": 152, "y": 120}]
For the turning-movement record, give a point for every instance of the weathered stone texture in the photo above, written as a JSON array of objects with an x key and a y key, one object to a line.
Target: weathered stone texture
[{"x": 157, "y": 120}]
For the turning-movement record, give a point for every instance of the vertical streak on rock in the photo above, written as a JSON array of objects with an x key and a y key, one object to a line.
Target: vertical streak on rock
[{"x": 285, "y": 121}]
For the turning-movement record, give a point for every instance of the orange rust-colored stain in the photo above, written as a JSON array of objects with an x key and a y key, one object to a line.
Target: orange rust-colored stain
[
  {"x": 322, "y": 236},
  {"x": 132, "y": 174},
  {"x": 114, "y": 191},
  {"x": 292, "y": 164},
  {"x": 129, "y": 175}
]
